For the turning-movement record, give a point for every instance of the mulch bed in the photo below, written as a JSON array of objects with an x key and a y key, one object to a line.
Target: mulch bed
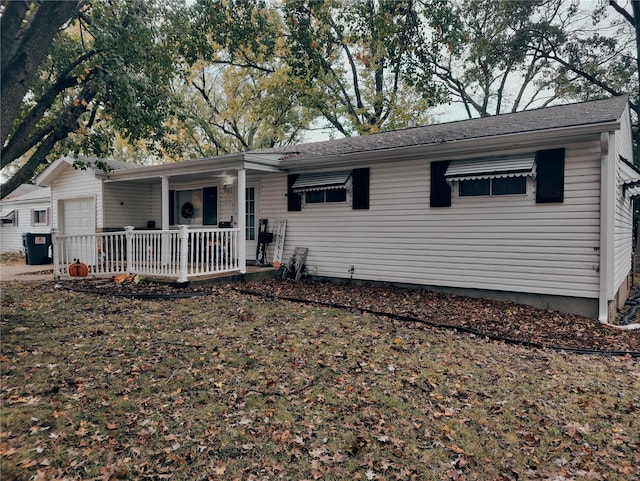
[
  {"x": 492, "y": 318},
  {"x": 501, "y": 320}
]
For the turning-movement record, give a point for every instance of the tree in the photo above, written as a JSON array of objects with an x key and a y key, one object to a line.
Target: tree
[
  {"x": 508, "y": 55},
  {"x": 598, "y": 54},
  {"x": 108, "y": 69},
  {"x": 237, "y": 94},
  {"x": 228, "y": 109},
  {"x": 487, "y": 53},
  {"x": 351, "y": 59},
  {"x": 342, "y": 62},
  {"x": 27, "y": 30}
]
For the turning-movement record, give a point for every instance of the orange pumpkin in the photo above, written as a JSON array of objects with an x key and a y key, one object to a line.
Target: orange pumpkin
[{"x": 78, "y": 269}]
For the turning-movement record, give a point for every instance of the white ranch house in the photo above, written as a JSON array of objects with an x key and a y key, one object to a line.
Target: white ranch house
[{"x": 533, "y": 207}]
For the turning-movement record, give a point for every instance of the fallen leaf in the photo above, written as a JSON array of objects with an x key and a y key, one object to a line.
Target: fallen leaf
[{"x": 456, "y": 449}]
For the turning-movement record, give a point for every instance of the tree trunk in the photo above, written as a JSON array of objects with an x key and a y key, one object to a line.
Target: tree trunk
[
  {"x": 39, "y": 157},
  {"x": 67, "y": 124},
  {"x": 26, "y": 50},
  {"x": 14, "y": 13}
]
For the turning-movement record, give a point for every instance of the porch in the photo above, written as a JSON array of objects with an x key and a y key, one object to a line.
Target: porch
[{"x": 180, "y": 255}]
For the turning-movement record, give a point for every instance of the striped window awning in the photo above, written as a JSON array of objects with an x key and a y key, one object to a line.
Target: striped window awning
[
  {"x": 491, "y": 168},
  {"x": 632, "y": 189},
  {"x": 321, "y": 181},
  {"x": 8, "y": 215}
]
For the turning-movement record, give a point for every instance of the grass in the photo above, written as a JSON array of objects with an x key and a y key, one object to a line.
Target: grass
[
  {"x": 234, "y": 387},
  {"x": 11, "y": 258}
]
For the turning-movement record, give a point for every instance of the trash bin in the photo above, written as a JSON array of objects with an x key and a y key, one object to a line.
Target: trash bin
[{"x": 37, "y": 248}]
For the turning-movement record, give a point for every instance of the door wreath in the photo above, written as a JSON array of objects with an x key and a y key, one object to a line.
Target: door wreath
[{"x": 186, "y": 211}]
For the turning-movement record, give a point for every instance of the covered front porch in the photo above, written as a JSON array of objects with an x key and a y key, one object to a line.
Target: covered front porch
[{"x": 189, "y": 220}]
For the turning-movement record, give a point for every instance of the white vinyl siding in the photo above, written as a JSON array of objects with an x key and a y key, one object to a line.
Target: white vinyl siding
[
  {"x": 623, "y": 137},
  {"x": 131, "y": 204},
  {"x": 623, "y": 238},
  {"x": 505, "y": 243},
  {"x": 273, "y": 206},
  {"x": 11, "y": 234},
  {"x": 623, "y": 226},
  {"x": 227, "y": 203}
]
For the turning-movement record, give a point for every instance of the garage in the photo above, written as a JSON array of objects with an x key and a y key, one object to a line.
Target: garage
[{"x": 78, "y": 216}]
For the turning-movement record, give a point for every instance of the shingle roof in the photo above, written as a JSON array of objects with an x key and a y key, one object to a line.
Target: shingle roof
[
  {"x": 577, "y": 114},
  {"x": 22, "y": 190}
]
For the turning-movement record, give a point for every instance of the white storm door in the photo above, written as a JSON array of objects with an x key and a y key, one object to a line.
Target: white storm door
[{"x": 251, "y": 221}]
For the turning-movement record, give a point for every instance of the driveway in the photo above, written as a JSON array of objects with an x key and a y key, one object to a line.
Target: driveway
[{"x": 24, "y": 272}]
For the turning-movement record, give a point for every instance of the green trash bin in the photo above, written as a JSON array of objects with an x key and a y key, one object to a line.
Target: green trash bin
[{"x": 37, "y": 248}]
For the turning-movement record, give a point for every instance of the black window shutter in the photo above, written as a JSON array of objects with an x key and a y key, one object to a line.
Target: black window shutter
[
  {"x": 550, "y": 176},
  {"x": 172, "y": 207},
  {"x": 294, "y": 201},
  {"x": 360, "y": 179},
  {"x": 210, "y": 206},
  {"x": 440, "y": 189}
]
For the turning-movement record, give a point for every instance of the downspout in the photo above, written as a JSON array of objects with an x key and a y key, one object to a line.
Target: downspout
[{"x": 607, "y": 224}]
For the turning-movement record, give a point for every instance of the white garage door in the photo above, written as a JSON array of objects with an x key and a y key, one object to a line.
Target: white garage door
[{"x": 79, "y": 216}]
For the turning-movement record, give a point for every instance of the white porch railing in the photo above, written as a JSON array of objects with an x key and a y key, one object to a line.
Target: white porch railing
[{"x": 176, "y": 254}]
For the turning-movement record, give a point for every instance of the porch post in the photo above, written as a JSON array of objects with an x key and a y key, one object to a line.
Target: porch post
[
  {"x": 165, "y": 247},
  {"x": 54, "y": 253},
  {"x": 242, "y": 214},
  {"x": 165, "y": 203},
  {"x": 130, "y": 258},
  {"x": 184, "y": 254}
]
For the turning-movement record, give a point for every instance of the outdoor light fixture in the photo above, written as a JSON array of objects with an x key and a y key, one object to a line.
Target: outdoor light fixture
[{"x": 228, "y": 184}]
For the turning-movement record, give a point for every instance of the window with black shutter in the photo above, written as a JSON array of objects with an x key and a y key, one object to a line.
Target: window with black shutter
[
  {"x": 440, "y": 188},
  {"x": 210, "y": 206},
  {"x": 550, "y": 176},
  {"x": 294, "y": 200},
  {"x": 360, "y": 179}
]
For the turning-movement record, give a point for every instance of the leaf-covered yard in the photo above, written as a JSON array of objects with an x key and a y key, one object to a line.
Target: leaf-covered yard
[{"x": 230, "y": 386}]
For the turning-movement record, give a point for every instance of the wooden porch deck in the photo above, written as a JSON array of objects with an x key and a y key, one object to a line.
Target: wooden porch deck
[{"x": 254, "y": 273}]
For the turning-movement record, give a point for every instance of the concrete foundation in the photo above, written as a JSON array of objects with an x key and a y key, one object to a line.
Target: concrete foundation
[
  {"x": 619, "y": 299},
  {"x": 565, "y": 304}
]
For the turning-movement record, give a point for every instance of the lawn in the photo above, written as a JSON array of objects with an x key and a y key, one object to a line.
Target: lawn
[{"x": 228, "y": 386}]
